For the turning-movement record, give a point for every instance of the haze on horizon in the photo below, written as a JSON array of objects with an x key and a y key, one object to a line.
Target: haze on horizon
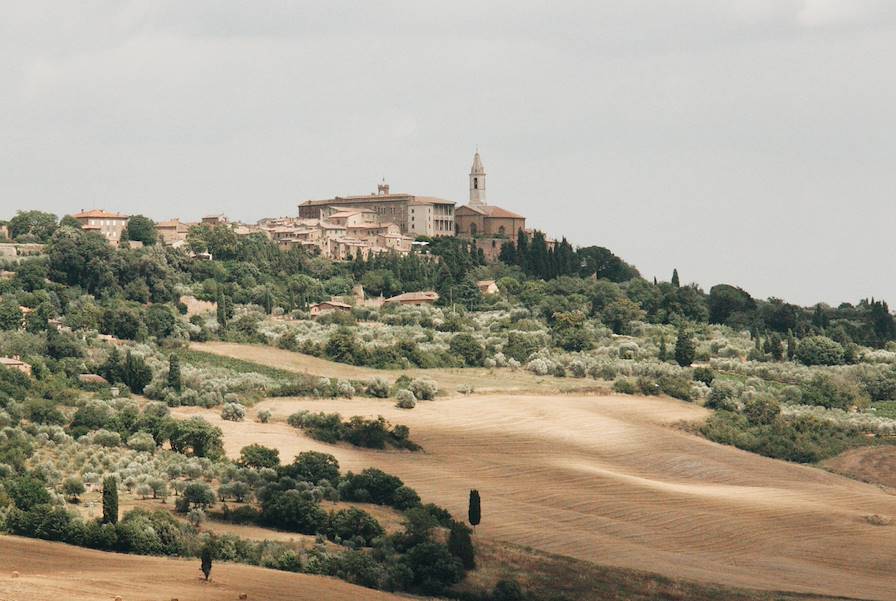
[{"x": 747, "y": 142}]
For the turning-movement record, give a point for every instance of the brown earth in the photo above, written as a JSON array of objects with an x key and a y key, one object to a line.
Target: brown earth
[
  {"x": 56, "y": 571},
  {"x": 876, "y": 465},
  {"x": 481, "y": 379},
  {"x": 605, "y": 479}
]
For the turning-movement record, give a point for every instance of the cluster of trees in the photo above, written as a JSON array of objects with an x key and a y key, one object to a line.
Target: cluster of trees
[{"x": 371, "y": 433}]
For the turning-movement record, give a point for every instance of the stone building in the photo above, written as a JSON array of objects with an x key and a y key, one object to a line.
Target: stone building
[
  {"x": 487, "y": 226},
  {"x": 107, "y": 224},
  {"x": 414, "y": 215},
  {"x": 172, "y": 232}
]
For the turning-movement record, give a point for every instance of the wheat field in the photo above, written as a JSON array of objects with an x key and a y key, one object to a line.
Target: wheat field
[{"x": 609, "y": 479}]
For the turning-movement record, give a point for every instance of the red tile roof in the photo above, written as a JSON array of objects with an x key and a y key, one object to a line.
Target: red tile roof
[{"x": 99, "y": 214}]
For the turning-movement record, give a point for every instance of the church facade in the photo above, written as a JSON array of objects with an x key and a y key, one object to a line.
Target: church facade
[{"x": 487, "y": 226}]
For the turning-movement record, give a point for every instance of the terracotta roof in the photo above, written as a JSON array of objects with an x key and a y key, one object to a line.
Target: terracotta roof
[
  {"x": 493, "y": 211},
  {"x": 332, "y": 304},
  {"x": 169, "y": 223},
  {"x": 427, "y": 295},
  {"x": 11, "y": 361},
  {"x": 100, "y": 214}
]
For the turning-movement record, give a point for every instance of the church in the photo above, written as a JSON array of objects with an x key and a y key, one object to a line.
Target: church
[{"x": 488, "y": 226}]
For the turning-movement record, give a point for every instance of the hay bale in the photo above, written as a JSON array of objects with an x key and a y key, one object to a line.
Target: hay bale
[
  {"x": 244, "y": 596},
  {"x": 15, "y": 574},
  {"x": 117, "y": 598}
]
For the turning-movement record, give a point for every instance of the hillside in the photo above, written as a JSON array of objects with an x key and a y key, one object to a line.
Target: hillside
[
  {"x": 56, "y": 571},
  {"x": 608, "y": 479}
]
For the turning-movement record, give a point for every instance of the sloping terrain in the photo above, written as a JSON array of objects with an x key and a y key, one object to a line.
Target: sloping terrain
[
  {"x": 481, "y": 379},
  {"x": 607, "y": 479},
  {"x": 56, "y": 571},
  {"x": 876, "y": 465}
]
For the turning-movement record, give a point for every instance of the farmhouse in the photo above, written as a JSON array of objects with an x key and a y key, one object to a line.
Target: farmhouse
[
  {"x": 329, "y": 306},
  {"x": 16, "y": 363},
  {"x": 413, "y": 298}
]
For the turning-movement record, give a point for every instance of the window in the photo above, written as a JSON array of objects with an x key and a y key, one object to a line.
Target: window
[
  {"x": 501, "y": 230},
  {"x": 475, "y": 183}
]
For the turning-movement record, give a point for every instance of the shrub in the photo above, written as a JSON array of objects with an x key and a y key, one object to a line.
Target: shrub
[
  {"x": 314, "y": 467},
  {"x": 197, "y": 495},
  {"x": 263, "y": 416},
  {"x": 625, "y": 386},
  {"x": 819, "y": 350},
  {"x": 468, "y": 348},
  {"x": 142, "y": 441},
  {"x": 292, "y": 511},
  {"x": 378, "y": 387},
  {"x": 831, "y": 392},
  {"x": 406, "y": 399},
  {"x": 703, "y": 374},
  {"x": 761, "y": 410},
  {"x": 376, "y": 486},
  {"x": 677, "y": 386},
  {"x": 424, "y": 389},
  {"x": 434, "y": 567},
  {"x": 258, "y": 456},
  {"x": 721, "y": 396},
  {"x": 234, "y": 412}
]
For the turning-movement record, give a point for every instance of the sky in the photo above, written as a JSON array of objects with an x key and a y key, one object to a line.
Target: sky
[{"x": 748, "y": 142}]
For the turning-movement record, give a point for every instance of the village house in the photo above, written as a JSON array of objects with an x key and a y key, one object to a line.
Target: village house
[
  {"x": 330, "y": 306},
  {"x": 413, "y": 298},
  {"x": 487, "y": 286},
  {"x": 107, "y": 224},
  {"x": 16, "y": 363},
  {"x": 488, "y": 227},
  {"x": 414, "y": 215},
  {"x": 218, "y": 219},
  {"x": 172, "y": 232}
]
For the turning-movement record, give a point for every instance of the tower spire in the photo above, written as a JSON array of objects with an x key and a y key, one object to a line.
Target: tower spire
[{"x": 477, "y": 181}]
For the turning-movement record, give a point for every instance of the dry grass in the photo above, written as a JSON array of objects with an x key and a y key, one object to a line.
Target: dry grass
[
  {"x": 56, "y": 571},
  {"x": 605, "y": 479},
  {"x": 481, "y": 379},
  {"x": 876, "y": 465}
]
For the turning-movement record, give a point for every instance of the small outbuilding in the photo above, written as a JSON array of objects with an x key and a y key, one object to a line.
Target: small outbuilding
[
  {"x": 330, "y": 306},
  {"x": 16, "y": 363},
  {"x": 427, "y": 297}
]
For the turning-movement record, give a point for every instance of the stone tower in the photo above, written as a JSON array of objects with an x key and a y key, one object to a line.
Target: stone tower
[{"x": 477, "y": 182}]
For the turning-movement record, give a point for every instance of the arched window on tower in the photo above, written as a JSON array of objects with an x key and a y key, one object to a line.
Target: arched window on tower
[{"x": 475, "y": 183}]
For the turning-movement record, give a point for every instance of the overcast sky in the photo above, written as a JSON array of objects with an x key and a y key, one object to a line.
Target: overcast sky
[{"x": 745, "y": 141}]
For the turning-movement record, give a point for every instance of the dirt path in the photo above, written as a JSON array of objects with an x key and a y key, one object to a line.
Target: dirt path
[
  {"x": 57, "y": 571},
  {"x": 606, "y": 479},
  {"x": 481, "y": 379}
]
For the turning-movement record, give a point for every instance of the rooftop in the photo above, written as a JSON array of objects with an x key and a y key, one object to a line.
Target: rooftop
[
  {"x": 378, "y": 198},
  {"x": 493, "y": 211},
  {"x": 98, "y": 214}
]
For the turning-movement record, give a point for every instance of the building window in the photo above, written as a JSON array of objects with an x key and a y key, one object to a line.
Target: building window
[
  {"x": 501, "y": 230},
  {"x": 475, "y": 183}
]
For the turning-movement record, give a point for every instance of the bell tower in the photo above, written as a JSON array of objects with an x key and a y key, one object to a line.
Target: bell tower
[{"x": 477, "y": 182}]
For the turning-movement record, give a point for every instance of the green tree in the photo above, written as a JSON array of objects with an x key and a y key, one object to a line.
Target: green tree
[
  {"x": 137, "y": 374},
  {"x": 819, "y": 350},
  {"x": 466, "y": 346},
  {"x": 73, "y": 488},
  {"x": 10, "y": 314},
  {"x": 791, "y": 345},
  {"x": 222, "y": 310},
  {"x": 663, "y": 352},
  {"x": 460, "y": 544},
  {"x": 197, "y": 435},
  {"x": 675, "y": 281},
  {"x": 474, "y": 509},
  {"x": 32, "y": 226},
  {"x": 685, "y": 347},
  {"x": 206, "y": 560},
  {"x": 258, "y": 456},
  {"x": 110, "y": 500},
  {"x": 142, "y": 229},
  {"x": 174, "y": 379}
]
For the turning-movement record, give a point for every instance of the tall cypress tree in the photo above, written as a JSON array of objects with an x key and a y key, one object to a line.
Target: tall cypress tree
[
  {"x": 663, "y": 352},
  {"x": 206, "y": 560},
  {"x": 474, "y": 511},
  {"x": 685, "y": 348},
  {"x": 675, "y": 281},
  {"x": 110, "y": 500},
  {"x": 174, "y": 381},
  {"x": 222, "y": 308}
]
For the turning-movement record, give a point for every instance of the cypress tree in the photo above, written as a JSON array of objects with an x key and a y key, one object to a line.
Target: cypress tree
[
  {"x": 206, "y": 560},
  {"x": 663, "y": 353},
  {"x": 222, "y": 308},
  {"x": 474, "y": 512},
  {"x": 685, "y": 348},
  {"x": 791, "y": 345},
  {"x": 174, "y": 373},
  {"x": 675, "y": 281},
  {"x": 110, "y": 500}
]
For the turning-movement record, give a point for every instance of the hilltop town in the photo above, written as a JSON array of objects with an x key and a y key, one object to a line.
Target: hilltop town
[{"x": 339, "y": 228}]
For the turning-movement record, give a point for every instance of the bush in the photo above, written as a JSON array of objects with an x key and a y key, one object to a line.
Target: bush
[
  {"x": 314, "y": 467},
  {"x": 142, "y": 441},
  {"x": 625, "y": 386},
  {"x": 292, "y": 511},
  {"x": 721, "y": 396},
  {"x": 832, "y": 392},
  {"x": 468, "y": 348},
  {"x": 703, "y": 374},
  {"x": 406, "y": 399},
  {"x": 819, "y": 350},
  {"x": 677, "y": 386},
  {"x": 233, "y": 412},
  {"x": 258, "y": 456},
  {"x": 376, "y": 486},
  {"x": 263, "y": 416},
  {"x": 424, "y": 389},
  {"x": 761, "y": 410},
  {"x": 378, "y": 387}
]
